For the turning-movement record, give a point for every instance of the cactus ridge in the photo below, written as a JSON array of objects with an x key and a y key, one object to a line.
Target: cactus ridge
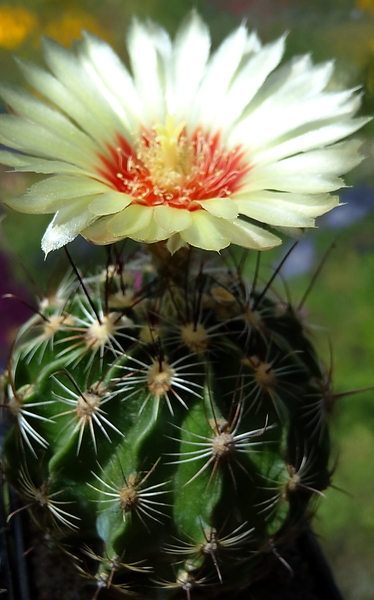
[{"x": 169, "y": 426}]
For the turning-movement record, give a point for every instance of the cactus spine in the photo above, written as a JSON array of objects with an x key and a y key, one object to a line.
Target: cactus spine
[{"x": 169, "y": 425}]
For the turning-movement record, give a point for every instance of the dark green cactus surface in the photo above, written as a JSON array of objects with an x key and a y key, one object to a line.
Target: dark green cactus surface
[{"x": 169, "y": 428}]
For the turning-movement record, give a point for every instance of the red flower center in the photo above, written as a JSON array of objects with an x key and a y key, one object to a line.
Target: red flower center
[{"x": 167, "y": 167}]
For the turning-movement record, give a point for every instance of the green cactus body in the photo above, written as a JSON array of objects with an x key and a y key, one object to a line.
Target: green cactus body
[{"x": 169, "y": 427}]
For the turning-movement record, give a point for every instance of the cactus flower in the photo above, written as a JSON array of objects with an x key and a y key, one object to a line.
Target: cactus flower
[{"x": 190, "y": 146}]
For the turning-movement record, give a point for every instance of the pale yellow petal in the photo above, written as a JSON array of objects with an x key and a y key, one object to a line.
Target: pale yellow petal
[
  {"x": 274, "y": 214},
  {"x": 53, "y": 194},
  {"x": 150, "y": 234},
  {"x": 224, "y": 208},
  {"x": 311, "y": 205},
  {"x": 206, "y": 232},
  {"x": 132, "y": 219},
  {"x": 250, "y": 236},
  {"x": 65, "y": 226},
  {"x": 172, "y": 219},
  {"x": 97, "y": 232},
  {"x": 12, "y": 159},
  {"x": 109, "y": 203},
  {"x": 285, "y": 209},
  {"x": 175, "y": 242}
]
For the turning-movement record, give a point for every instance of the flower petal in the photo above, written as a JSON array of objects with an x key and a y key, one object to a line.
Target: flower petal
[
  {"x": 77, "y": 109},
  {"x": 219, "y": 73},
  {"x": 220, "y": 207},
  {"x": 285, "y": 209},
  {"x": 206, "y": 232},
  {"x": 69, "y": 71},
  {"x": 48, "y": 167},
  {"x": 50, "y": 195},
  {"x": 151, "y": 234},
  {"x": 109, "y": 203},
  {"x": 275, "y": 215},
  {"x": 145, "y": 65},
  {"x": 132, "y": 219},
  {"x": 35, "y": 110},
  {"x": 309, "y": 172},
  {"x": 311, "y": 138},
  {"x": 272, "y": 120},
  {"x": 175, "y": 242},
  {"x": 65, "y": 226},
  {"x": 13, "y": 159},
  {"x": 97, "y": 232},
  {"x": 250, "y": 78},
  {"x": 172, "y": 219},
  {"x": 34, "y": 139},
  {"x": 191, "y": 52},
  {"x": 293, "y": 82},
  {"x": 250, "y": 236},
  {"x": 112, "y": 78}
]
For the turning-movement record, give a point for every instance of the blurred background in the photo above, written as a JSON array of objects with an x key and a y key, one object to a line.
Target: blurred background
[{"x": 340, "y": 305}]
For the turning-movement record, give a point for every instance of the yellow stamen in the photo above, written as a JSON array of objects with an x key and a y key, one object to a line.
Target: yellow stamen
[{"x": 168, "y": 157}]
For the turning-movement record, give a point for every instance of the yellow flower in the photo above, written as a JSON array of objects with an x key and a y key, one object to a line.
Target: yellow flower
[
  {"x": 365, "y": 5},
  {"x": 191, "y": 147},
  {"x": 69, "y": 25},
  {"x": 16, "y": 24}
]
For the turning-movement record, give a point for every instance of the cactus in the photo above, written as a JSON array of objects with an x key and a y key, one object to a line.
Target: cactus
[
  {"x": 169, "y": 424},
  {"x": 169, "y": 414}
]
